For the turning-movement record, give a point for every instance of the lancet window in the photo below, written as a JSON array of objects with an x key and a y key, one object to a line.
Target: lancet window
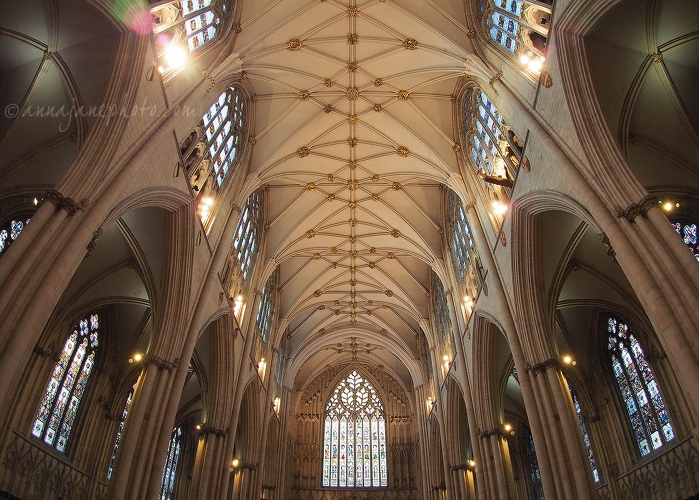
[
  {"x": 167, "y": 487},
  {"x": 59, "y": 406},
  {"x": 465, "y": 260},
  {"x": 354, "y": 443},
  {"x": 183, "y": 26},
  {"x": 247, "y": 234},
  {"x": 534, "y": 472},
  {"x": 124, "y": 414},
  {"x": 265, "y": 313},
  {"x": 639, "y": 388},
  {"x": 585, "y": 435},
  {"x": 10, "y": 232}
]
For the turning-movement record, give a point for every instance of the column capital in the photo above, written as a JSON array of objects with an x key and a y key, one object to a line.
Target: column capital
[
  {"x": 541, "y": 367},
  {"x": 635, "y": 209}
]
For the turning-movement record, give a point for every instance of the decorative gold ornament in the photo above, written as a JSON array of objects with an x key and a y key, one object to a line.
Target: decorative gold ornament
[
  {"x": 352, "y": 204},
  {"x": 384, "y": 331},
  {"x": 337, "y": 302},
  {"x": 252, "y": 139},
  {"x": 395, "y": 233},
  {"x": 268, "y": 227},
  {"x": 328, "y": 108},
  {"x": 456, "y": 148},
  {"x": 322, "y": 331},
  {"x": 321, "y": 307},
  {"x": 353, "y": 239},
  {"x": 353, "y": 269},
  {"x": 352, "y": 67},
  {"x": 304, "y": 95},
  {"x": 353, "y": 282},
  {"x": 337, "y": 313},
  {"x": 375, "y": 197},
  {"x": 396, "y": 186},
  {"x": 328, "y": 82},
  {"x": 331, "y": 178},
  {"x": 390, "y": 255},
  {"x": 352, "y": 185},
  {"x": 410, "y": 44},
  {"x": 352, "y": 38},
  {"x": 352, "y": 141},
  {"x": 377, "y": 108},
  {"x": 317, "y": 293},
  {"x": 316, "y": 256},
  {"x": 372, "y": 265},
  {"x": 352, "y": 93},
  {"x": 352, "y": 11},
  {"x": 294, "y": 44},
  {"x": 370, "y": 302},
  {"x": 310, "y": 233},
  {"x": 353, "y": 254},
  {"x": 334, "y": 265},
  {"x": 471, "y": 33},
  {"x": 334, "y": 250},
  {"x": 353, "y": 222},
  {"x": 254, "y": 98},
  {"x": 310, "y": 186},
  {"x": 331, "y": 197},
  {"x": 403, "y": 151},
  {"x": 352, "y": 119},
  {"x": 403, "y": 95},
  {"x": 378, "y": 82},
  {"x": 353, "y": 294},
  {"x": 302, "y": 152},
  {"x": 389, "y": 293},
  {"x": 375, "y": 178},
  {"x": 372, "y": 250}
]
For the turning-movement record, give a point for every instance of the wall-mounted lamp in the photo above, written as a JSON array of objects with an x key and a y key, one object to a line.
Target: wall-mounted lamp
[
  {"x": 137, "y": 358},
  {"x": 569, "y": 360},
  {"x": 507, "y": 430},
  {"x": 471, "y": 465},
  {"x": 499, "y": 208},
  {"x": 277, "y": 404}
]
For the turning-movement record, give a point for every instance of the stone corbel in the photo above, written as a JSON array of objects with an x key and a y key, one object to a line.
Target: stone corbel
[{"x": 610, "y": 251}]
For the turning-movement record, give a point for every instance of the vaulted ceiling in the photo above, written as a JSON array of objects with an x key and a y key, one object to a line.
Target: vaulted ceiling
[{"x": 353, "y": 137}]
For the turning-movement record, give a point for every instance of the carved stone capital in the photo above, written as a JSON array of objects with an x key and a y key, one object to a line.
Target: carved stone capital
[
  {"x": 489, "y": 432},
  {"x": 541, "y": 367},
  {"x": 207, "y": 429},
  {"x": 635, "y": 209},
  {"x": 610, "y": 251},
  {"x": 93, "y": 241},
  {"x": 161, "y": 363}
]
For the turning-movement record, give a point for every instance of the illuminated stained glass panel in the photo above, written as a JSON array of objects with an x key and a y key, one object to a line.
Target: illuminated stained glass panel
[
  {"x": 535, "y": 484},
  {"x": 59, "y": 406},
  {"x": 460, "y": 235},
  {"x": 124, "y": 414},
  {"x": 223, "y": 123},
  {"x": 10, "y": 232},
  {"x": 247, "y": 233},
  {"x": 265, "y": 312},
  {"x": 167, "y": 487},
  {"x": 440, "y": 306},
  {"x": 639, "y": 389},
  {"x": 688, "y": 232},
  {"x": 585, "y": 435},
  {"x": 354, "y": 439}
]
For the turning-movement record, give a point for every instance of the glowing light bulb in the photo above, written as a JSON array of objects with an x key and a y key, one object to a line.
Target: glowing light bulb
[{"x": 667, "y": 206}]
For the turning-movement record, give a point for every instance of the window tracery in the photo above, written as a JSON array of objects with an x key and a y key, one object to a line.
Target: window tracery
[
  {"x": 535, "y": 485},
  {"x": 124, "y": 414},
  {"x": 465, "y": 261},
  {"x": 354, "y": 443},
  {"x": 182, "y": 27},
  {"x": 440, "y": 307},
  {"x": 167, "y": 487},
  {"x": 639, "y": 388},
  {"x": 59, "y": 406}
]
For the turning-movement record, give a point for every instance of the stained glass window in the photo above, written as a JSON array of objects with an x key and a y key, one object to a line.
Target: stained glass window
[
  {"x": 266, "y": 311},
  {"x": 460, "y": 235},
  {"x": 535, "y": 485},
  {"x": 58, "y": 408},
  {"x": 167, "y": 487},
  {"x": 483, "y": 123},
  {"x": 585, "y": 435},
  {"x": 354, "y": 440},
  {"x": 10, "y": 232},
  {"x": 224, "y": 128},
  {"x": 688, "y": 232},
  {"x": 247, "y": 233},
  {"x": 190, "y": 22},
  {"x": 120, "y": 431},
  {"x": 440, "y": 306},
  {"x": 639, "y": 388}
]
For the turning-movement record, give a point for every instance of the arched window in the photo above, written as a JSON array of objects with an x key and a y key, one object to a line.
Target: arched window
[
  {"x": 266, "y": 311},
  {"x": 520, "y": 27},
  {"x": 354, "y": 444},
  {"x": 494, "y": 154},
  {"x": 58, "y": 409},
  {"x": 245, "y": 241},
  {"x": 167, "y": 487},
  {"x": 124, "y": 414},
  {"x": 537, "y": 489},
  {"x": 10, "y": 232},
  {"x": 181, "y": 27},
  {"x": 688, "y": 232},
  {"x": 460, "y": 239},
  {"x": 440, "y": 306},
  {"x": 583, "y": 430},
  {"x": 639, "y": 389}
]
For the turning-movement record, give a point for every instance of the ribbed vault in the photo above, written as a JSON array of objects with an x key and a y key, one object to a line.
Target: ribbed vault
[{"x": 353, "y": 141}]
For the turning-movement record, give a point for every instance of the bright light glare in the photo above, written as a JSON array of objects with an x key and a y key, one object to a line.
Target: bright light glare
[{"x": 175, "y": 56}]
